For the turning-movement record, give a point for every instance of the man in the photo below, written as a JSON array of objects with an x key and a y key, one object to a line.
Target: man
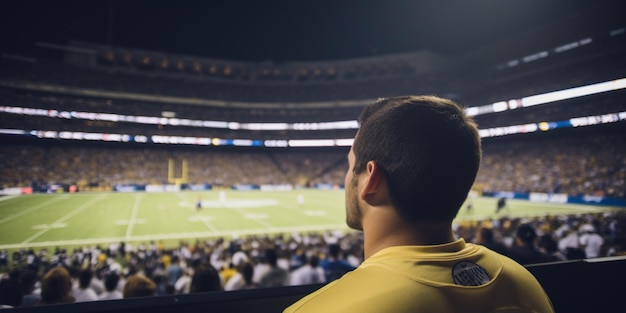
[
  {"x": 199, "y": 204},
  {"x": 309, "y": 273},
  {"x": 83, "y": 292},
  {"x": 501, "y": 205},
  {"x": 486, "y": 238},
  {"x": 174, "y": 271},
  {"x": 525, "y": 249},
  {"x": 111, "y": 282},
  {"x": 334, "y": 265},
  {"x": 590, "y": 241},
  {"x": 275, "y": 276},
  {"x": 411, "y": 166}
]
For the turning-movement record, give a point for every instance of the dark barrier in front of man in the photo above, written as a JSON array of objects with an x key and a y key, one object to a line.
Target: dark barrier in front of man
[{"x": 593, "y": 285}]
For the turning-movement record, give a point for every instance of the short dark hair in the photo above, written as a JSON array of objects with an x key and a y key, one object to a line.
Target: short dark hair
[
  {"x": 526, "y": 234},
  {"x": 84, "y": 277},
  {"x": 429, "y": 151},
  {"x": 271, "y": 257},
  {"x": 334, "y": 250},
  {"x": 111, "y": 280},
  {"x": 486, "y": 234},
  {"x": 205, "y": 278}
]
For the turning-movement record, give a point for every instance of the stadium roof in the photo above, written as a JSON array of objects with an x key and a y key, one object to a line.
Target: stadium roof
[{"x": 283, "y": 30}]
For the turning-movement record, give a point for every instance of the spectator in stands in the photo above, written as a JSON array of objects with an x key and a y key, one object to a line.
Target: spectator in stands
[
  {"x": 334, "y": 266},
  {"x": 83, "y": 292},
  {"x": 183, "y": 284},
  {"x": 590, "y": 241},
  {"x": 309, "y": 273},
  {"x": 485, "y": 237},
  {"x": 550, "y": 248},
  {"x": 276, "y": 276},
  {"x": 139, "y": 286},
  {"x": 569, "y": 243},
  {"x": 237, "y": 281},
  {"x": 205, "y": 278},
  {"x": 111, "y": 292},
  {"x": 56, "y": 287},
  {"x": 28, "y": 280},
  {"x": 525, "y": 249},
  {"x": 411, "y": 166},
  {"x": 174, "y": 271},
  {"x": 247, "y": 272},
  {"x": 228, "y": 271},
  {"x": 10, "y": 294}
]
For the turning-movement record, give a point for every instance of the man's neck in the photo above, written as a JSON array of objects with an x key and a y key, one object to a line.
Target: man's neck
[{"x": 378, "y": 237}]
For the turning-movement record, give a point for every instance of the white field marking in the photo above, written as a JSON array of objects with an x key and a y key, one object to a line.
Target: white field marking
[
  {"x": 309, "y": 213},
  {"x": 257, "y": 220},
  {"x": 184, "y": 203},
  {"x": 255, "y": 216},
  {"x": 315, "y": 213},
  {"x": 65, "y": 217},
  {"x": 208, "y": 234},
  {"x": 133, "y": 216},
  {"x": 44, "y": 226},
  {"x": 200, "y": 218},
  {"x": 37, "y": 207},
  {"x": 126, "y": 222},
  {"x": 210, "y": 226},
  {"x": 9, "y": 197},
  {"x": 206, "y": 220},
  {"x": 239, "y": 204}
]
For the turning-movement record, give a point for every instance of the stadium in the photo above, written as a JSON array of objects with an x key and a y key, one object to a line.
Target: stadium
[{"x": 118, "y": 152}]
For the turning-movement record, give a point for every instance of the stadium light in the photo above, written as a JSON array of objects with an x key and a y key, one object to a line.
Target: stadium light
[
  {"x": 496, "y": 107},
  {"x": 311, "y": 143},
  {"x": 574, "y": 92}
]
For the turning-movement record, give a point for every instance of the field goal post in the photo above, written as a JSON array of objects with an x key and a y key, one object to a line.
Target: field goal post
[{"x": 171, "y": 178}]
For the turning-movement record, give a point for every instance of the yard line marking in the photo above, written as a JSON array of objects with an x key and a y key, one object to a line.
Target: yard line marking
[
  {"x": 209, "y": 225},
  {"x": 318, "y": 213},
  {"x": 133, "y": 216},
  {"x": 258, "y": 221},
  {"x": 197, "y": 235},
  {"x": 205, "y": 219},
  {"x": 8, "y": 197},
  {"x": 65, "y": 217},
  {"x": 35, "y": 208}
]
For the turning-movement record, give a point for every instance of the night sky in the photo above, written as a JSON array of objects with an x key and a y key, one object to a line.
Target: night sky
[{"x": 279, "y": 30}]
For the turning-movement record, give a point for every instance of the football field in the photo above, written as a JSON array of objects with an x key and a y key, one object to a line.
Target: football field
[{"x": 79, "y": 219}]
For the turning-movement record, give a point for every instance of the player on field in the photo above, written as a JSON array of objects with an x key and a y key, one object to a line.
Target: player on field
[{"x": 501, "y": 205}]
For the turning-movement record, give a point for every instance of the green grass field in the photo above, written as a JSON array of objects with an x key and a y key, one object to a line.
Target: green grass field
[{"x": 50, "y": 220}]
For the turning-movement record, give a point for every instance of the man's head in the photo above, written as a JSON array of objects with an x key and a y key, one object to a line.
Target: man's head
[
  {"x": 139, "y": 286},
  {"x": 84, "y": 277},
  {"x": 427, "y": 150},
  {"x": 526, "y": 234},
  {"x": 111, "y": 280}
]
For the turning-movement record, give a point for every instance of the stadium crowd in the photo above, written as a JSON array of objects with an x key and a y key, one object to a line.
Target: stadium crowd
[
  {"x": 587, "y": 164},
  {"x": 126, "y": 270}
]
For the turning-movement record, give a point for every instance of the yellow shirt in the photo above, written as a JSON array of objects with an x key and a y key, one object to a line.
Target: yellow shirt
[
  {"x": 453, "y": 277},
  {"x": 166, "y": 259},
  {"x": 227, "y": 274}
]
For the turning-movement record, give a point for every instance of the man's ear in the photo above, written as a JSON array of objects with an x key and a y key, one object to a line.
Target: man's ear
[{"x": 375, "y": 186}]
